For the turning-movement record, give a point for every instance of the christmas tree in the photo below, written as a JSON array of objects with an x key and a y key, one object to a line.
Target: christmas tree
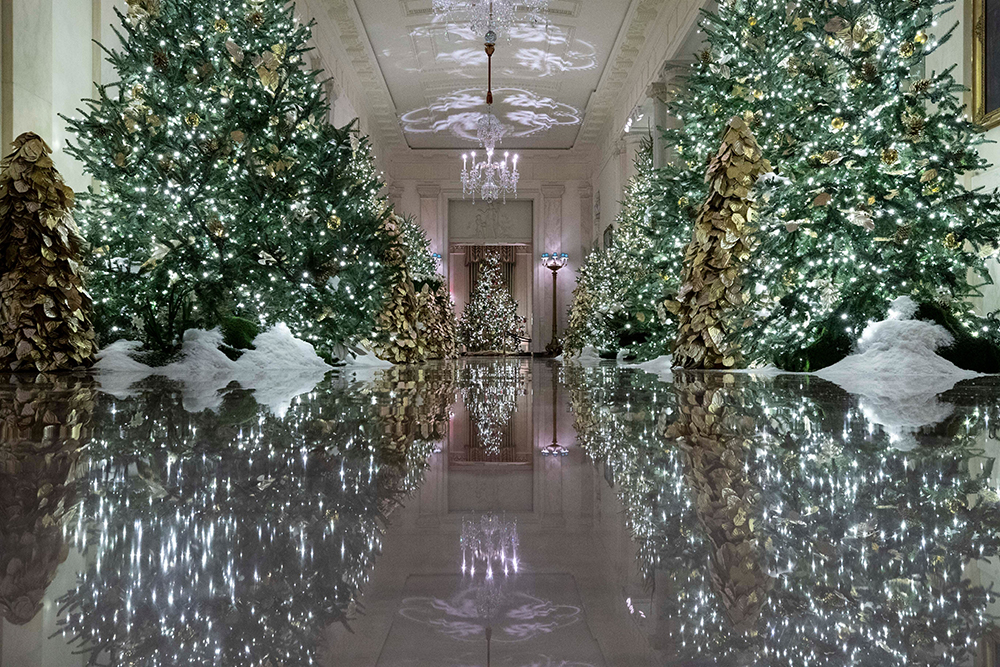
[
  {"x": 422, "y": 263},
  {"x": 618, "y": 302},
  {"x": 713, "y": 262},
  {"x": 224, "y": 191},
  {"x": 490, "y": 323},
  {"x": 44, "y": 308},
  {"x": 872, "y": 152}
]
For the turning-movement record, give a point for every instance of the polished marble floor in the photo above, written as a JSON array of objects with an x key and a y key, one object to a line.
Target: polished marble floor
[{"x": 517, "y": 513}]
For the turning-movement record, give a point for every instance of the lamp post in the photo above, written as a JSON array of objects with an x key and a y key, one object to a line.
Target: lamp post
[{"x": 553, "y": 262}]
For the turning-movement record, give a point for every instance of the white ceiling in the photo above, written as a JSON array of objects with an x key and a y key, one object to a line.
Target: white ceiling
[{"x": 542, "y": 78}]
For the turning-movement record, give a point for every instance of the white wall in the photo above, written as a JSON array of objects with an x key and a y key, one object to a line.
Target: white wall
[
  {"x": 959, "y": 50},
  {"x": 48, "y": 67}
]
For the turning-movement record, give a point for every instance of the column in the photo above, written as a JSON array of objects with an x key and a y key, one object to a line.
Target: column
[
  {"x": 430, "y": 220},
  {"x": 587, "y": 231},
  {"x": 658, "y": 93},
  {"x": 47, "y": 67},
  {"x": 395, "y": 193}
]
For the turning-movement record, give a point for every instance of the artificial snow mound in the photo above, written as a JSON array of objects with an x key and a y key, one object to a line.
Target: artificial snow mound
[
  {"x": 661, "y": 367},
  {"x": 898, "y": 347},
  {"x": 899, "y": 374},
  {"x": 280, "y": 368}
]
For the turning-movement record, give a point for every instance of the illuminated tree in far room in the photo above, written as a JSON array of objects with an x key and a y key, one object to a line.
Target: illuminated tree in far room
[
  {"x": 224, "y": 191},
  {"x": 490, "y": 323},
  {"x": 873, "y": 156}
]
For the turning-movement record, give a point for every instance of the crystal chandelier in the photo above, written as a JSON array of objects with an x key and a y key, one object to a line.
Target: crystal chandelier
[
  {"x": 491, "y": 541},
  {"x": 492, "y": 16},
  {"x": 492, "y": 180}
]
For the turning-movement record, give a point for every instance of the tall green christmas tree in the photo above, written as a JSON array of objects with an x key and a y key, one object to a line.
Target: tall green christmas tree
[
  {"x": 613, "y": 306},
  {"x": 871, "y": 151},
  {"x": 223, "y": 190},
  {"x": 490, "y": 322}
]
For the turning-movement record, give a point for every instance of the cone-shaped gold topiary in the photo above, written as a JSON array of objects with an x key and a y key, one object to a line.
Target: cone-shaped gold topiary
[
  {"x": 712, "y": 430},
  {"x": 721, "y": 243},
  {"x": 44, "y": 309},
  {"x": 397, "y": 337},
  {"x": 45, "y": 422}
]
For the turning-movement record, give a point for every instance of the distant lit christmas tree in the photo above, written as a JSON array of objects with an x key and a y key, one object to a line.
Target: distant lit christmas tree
[
  {"x": 490, "y": 322},
  {"x": 873, "y": 152},
  {"x": 224, "y": 192}
]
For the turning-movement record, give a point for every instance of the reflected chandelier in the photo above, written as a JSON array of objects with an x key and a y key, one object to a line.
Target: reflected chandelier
[
  {"x": 492, "y": 180},
  {"x": 493, "y": 16}
]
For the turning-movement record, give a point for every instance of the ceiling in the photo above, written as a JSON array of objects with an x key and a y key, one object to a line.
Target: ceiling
[{"x": 543, "y": 77}]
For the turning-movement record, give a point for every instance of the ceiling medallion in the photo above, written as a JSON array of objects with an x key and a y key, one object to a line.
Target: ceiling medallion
[
  {"x": 497, "y": 16},
  {"x": 492, "y": 180}
]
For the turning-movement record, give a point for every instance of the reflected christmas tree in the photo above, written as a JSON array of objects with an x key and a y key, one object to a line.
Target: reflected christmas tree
[
  {"x": 490, "y": 392},
  {"x": 233, "y": 538},
  {"x": 789, "y": 530}
]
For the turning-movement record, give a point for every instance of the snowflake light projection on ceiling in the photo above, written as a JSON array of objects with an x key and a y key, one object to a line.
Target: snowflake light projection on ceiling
[{"x": 528, "y": 113}]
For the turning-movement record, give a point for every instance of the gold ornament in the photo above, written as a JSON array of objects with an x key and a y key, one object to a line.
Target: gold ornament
[
  {"x": 921, "y": 37},
  {"x": 256, "y": 19},
  {"x": 914, "y": 122},
  {"x": 890, "y": 156},
  {"x": 869, "y": 71},
  {"x": 221, "y": 25},
  {"x": 903, "y": 234},
  {"x": 192, "y": 119},
  {"x": 838, "y": 124},
  {"x": 952, "y": 242},
  {"x": 831, "y": 157},
  {"x": 907, "y": 49},
  {"x": 799, "y": 23},
  {"x": 752, "y": 21}
]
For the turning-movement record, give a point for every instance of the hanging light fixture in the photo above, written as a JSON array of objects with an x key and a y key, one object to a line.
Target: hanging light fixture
[
  {"x": 492, "y": 180},
  {"x": 496, "y": 16}
]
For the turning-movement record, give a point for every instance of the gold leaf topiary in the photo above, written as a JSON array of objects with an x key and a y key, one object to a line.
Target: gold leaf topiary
[{"x": 44, "y": 308}]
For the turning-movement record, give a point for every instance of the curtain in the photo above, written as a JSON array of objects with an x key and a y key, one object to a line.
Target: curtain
[
  {"x": 474, "y": 256},
  {"x": 476, "y": 253}
]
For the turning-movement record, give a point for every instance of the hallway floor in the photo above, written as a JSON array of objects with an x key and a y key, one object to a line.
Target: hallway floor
[{"x": 509, "y": 512}]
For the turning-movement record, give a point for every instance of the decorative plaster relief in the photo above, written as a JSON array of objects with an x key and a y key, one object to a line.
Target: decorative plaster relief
[{"x": 490, "y": 223}]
